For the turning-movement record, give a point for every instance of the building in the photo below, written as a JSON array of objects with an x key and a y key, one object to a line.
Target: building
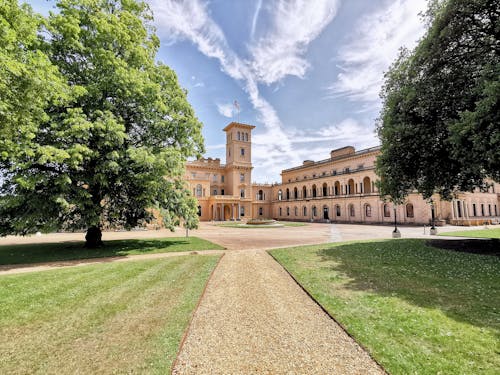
[{"x": 338, "y": 189}]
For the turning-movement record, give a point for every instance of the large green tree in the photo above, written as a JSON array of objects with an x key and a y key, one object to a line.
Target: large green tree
[
  {"x": 116, "y": 147},
  {"x": 440, "y": 122}
]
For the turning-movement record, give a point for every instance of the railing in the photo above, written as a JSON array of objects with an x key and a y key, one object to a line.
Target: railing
[{"x": 351, "y": 171}]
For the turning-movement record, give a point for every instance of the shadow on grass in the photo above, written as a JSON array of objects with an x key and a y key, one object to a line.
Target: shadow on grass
[
  {"x": 62, "y": 251},
  {"x": 465, "y": 287}
]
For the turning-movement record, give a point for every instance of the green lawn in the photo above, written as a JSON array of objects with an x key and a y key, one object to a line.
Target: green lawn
[
  {"x": 418, "y": 310},
  {"x": 48, "y": 252},
  {"x": 480, "y": 233},
  {"x": 102, "y": 319},
  {"x": 284, "y": 223}
]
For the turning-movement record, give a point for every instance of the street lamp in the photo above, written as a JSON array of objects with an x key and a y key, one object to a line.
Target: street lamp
[
  {"x": 395, "y": 232},
  {"x": 433, "y": 216}
]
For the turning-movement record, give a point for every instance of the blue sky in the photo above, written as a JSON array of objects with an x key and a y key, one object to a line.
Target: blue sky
[{"x": 306, "y": 73}]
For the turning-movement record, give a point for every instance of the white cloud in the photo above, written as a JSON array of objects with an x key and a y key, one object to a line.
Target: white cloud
[
  {"x": 255, "y": 17},
  {"x": 294, "y": 25},
  {"x": 373, "y": 46},
  {"x": 226, "y": 109}
]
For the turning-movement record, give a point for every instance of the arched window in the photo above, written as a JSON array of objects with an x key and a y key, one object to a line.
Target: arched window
[
  {"x": 350, "y": 186},
  {"x": 280, "y": 195},
  {"x": 296, "y": 211},
  {"x": 239, "y": 136},
  {"x": 387, "y": 210},
  {"x": 304, "y": 192},
  {"x": 409, "y": 210},
  {"x": 287, "y": 194},
  {"x": 295, "y": 193},
  {"x": 325, "y": 189},
  {"x": 314, "y": 192},
  {"x": 337, "y": 188},
  {"x": 246, "y": 137},
  {"x": 314, "y": 212},
  {"x": 242, "y": 193},
  {"x": 368, "y": 210},
  {"x": 260, "y": 211},
  {"x": 352, "y": 212},
  {"x": 260, "y": 195},
  {"x": 304, "y": 211},
  {"x": 337, "y": 210},
  {"x": 280, "y": 211},
  {"x": 367, "y": 186},
  {"x": 288, "y": 211},
  {"x": 198, "y": 190}
]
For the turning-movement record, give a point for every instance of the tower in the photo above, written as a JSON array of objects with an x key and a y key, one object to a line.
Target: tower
[{"x": 239, "y": 159}]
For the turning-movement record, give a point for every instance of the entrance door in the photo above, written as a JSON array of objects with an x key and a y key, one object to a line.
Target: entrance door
[{"x": 325, "y": 213}]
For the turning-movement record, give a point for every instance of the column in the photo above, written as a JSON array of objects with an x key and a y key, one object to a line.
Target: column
[
  {"x": 239, "y": 212},
  {"x": 453, "y": 209},
  {"x": 213, "y": 212},
  {"x": 232, "y": 211}
]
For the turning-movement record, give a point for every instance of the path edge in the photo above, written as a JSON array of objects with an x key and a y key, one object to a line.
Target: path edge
[
  {"x": 188, "y": 327},
  {"x": 327, "y": 313}
]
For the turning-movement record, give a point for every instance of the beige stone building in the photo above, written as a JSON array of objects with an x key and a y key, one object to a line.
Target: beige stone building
[{"x": 340, "y": 188}]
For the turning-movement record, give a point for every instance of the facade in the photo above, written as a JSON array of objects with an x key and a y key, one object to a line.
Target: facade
[{"x": 338, "y": 189}]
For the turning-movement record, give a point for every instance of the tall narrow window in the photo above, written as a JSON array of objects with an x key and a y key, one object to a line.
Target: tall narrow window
[
  {"x": 242, "y": 152},
  {"x": 198, "y": 190},
  {"x": 409, "y": 210},
  {"x": 368, "y": 210},
  {"x": 280, "y": 195},
  {"x": 304, "y": 211},
  {"x": 337, "y": 210},
  {"x": 242, "y": 177},
  {"x": 242, "y": 193},
  {"x": 387, "y": 210},
  {"x": 260, "y": 211},
  {"x": 352, "y": 212}
]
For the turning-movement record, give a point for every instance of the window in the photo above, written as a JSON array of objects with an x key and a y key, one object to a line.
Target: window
[
  {"x": 242, "y": 177},
  {"x": 296, "y": 211},
  {"x": 221, "y": 178},
  {"x": 221, "y": 191},
  {"x": 314, "y": 213},
  {"x": 193, "y": 175},
  {"x": 387, "y": 210},
  {"x": 239, "y": 136},
  {"x": 352, "y": 211},
  {"x": 242, "y": 211},
  {"x": 482, "y": 209},
  {"x": 295, "y": 193},
  {"x": 280, "y": 211},
  {"x": 198, "y": 190},
  {"x": 287, "y": 194},
  {"x": 260, "y": 211},
  {"x": 325, "y": 190},
  {"x": 409, "y": 210},
  {"x": 346, "y": 170},
  {"x": 489, "y": 209},
  {"x": 304, "y": 211},
  {"x": 496, "y": 212},
  {"x": 288, "y": 211},
  {"x": 314, "y": 192},
  {"x": 246, "y": 137},
  {"x": 280, "y": 195},
  {"x": 199, "y": 210},
  {"x": 368, "y": 210},
  {"x": 474, "y": 210},
  {"x": 334, "y": 172},
  {"x": 215, "y": 191},
  {"x": 242, "y": 193},
  {"x": 304, "y": 192},
  {"x": 260, "y": 195},
  {"x": 337, "y": 210},
  {"x": 214, "y": 177},
  {"x": 242, "y": 152}
]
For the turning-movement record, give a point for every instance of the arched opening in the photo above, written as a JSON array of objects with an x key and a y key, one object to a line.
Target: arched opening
[
  {"x": 314, "y": 192},
  {"x": 295, "y": 193},
  {"x": 367, "y": 186},
  {"x": 304, "y": 192},
  {"x": 337, "y": 188},
  {"x": 304, "y": 211},
  {"x": 368, "y": 210},
  {"x": 287, "y": 194},
  {"x": 296, "y": 211},
  {"x": 409, "y": 210},
  {"x": 350, "y": 186},
  {"x": 288, "y": 211},
  {"x": 260, "y": 195},
  {"x": 325, "y": 213},
  {"x": 280, "y": 195},
  {"x": 337, "y": 210},
  {"x": 280, "y": 211},
  {"x": 387, "y": 210},
  {"x": 352, "y": 211},
  {"x": 325, "y": 189},
  {"x": 314, "y": 211}
]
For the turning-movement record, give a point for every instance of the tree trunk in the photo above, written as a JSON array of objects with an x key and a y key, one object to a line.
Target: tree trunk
[{"x": 93, "y": 237}]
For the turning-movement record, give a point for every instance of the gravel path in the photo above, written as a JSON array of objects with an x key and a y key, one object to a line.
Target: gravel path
[{"x": 254, "y": 319}]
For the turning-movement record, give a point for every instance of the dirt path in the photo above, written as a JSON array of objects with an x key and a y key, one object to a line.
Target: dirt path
[{"x": 255, "y": 319}]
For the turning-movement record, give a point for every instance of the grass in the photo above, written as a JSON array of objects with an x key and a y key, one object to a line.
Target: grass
[
  {"x": 480, "y": 233},
  {"x": 418, "y": 310},
  {"x": 49, "y": 252},
  {"x": 101, "y": 319},
  {"x": 284, "y": 223}
]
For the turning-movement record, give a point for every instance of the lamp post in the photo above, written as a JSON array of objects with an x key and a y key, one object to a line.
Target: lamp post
[
  {"x": 396, "y": 233},
  {"x": 433, "y": 230}
]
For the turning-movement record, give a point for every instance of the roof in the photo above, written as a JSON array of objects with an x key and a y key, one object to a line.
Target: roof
[{"x": 239, "y": 125}]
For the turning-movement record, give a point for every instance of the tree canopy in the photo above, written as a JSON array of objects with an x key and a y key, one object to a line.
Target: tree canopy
[
  {"x": 107, "y": 135},
  {"x": 439, "y": 125}
]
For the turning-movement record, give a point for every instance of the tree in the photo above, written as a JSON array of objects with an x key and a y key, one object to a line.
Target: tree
[
  {"x": 439, "y": 122},
  {"x": 115, "y": 150}
]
